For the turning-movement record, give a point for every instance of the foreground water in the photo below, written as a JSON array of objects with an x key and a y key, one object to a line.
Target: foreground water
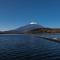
[{"x": 27, "y": 47}]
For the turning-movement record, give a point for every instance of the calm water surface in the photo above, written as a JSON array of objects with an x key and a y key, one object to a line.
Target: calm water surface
[{"x": 27, "y": 47}]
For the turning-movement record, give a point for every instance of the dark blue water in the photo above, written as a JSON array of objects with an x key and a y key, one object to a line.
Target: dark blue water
[{"x": 26, "y": 47}]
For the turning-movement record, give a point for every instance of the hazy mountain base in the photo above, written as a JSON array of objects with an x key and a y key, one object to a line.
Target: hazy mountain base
[{"x": 34, "y": 31}]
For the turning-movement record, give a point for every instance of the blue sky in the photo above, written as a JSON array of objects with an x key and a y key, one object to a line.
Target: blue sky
[{"x": 16, "y": 13}]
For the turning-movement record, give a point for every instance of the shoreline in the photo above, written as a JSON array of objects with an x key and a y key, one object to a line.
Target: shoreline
[{"x": 49, "y": 39}]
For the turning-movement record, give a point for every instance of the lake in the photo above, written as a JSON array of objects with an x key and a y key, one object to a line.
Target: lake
[{"x": 28, "y": 47}]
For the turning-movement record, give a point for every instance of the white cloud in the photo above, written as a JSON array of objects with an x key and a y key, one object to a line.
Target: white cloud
[{"x": 33, "y": 23}]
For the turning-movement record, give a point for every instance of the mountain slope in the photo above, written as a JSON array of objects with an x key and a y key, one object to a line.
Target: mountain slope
[
  {"x": 28, "y": 27},
  {"x": 24, "y": 29}
]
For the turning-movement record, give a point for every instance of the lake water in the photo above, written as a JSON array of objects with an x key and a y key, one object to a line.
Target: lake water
[{"x": 27, "y": 47}]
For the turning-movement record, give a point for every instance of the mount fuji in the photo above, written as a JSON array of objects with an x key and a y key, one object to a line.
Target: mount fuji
[{"x": 26, "y": 28}]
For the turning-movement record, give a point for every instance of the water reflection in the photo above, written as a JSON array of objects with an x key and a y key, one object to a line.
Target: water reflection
[{"x": 26, "y": 47}]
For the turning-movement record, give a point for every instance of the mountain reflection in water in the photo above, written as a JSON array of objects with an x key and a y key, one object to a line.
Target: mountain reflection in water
[{"x": 27, "y": 47}]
